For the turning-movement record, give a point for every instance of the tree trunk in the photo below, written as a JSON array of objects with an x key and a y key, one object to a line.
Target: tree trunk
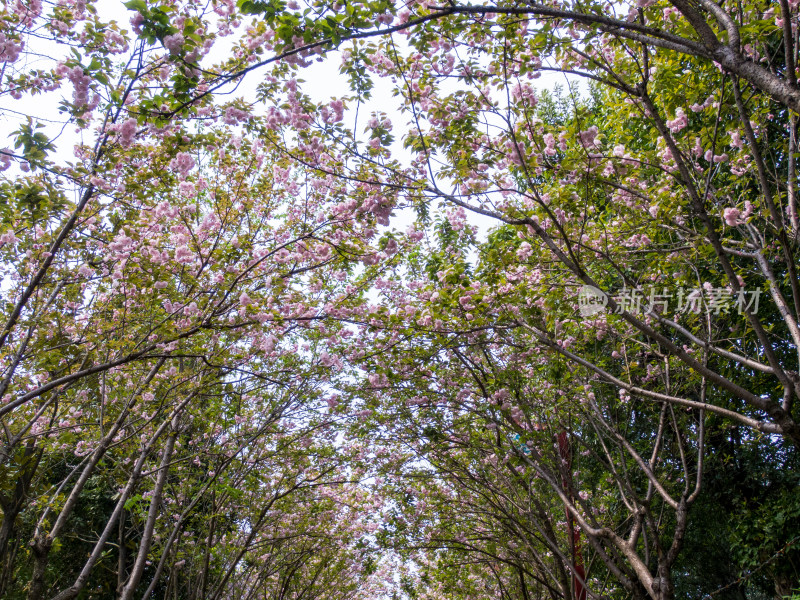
[
  {"x": 152, "y": 516},
  {"x": 41, "y": 552},
  {"x": 122, "y": 561}
]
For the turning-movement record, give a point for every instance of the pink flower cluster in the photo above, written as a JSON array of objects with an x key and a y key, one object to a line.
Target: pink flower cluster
[
  {"x": 165, "y": 210},
  {"x": 80, "y": 81},
  {"x": 550, "y": 144},
  {"x": 700, "y": 107},
  {"x": 637, "y": 240},
  {"x": 515, "y": 154},
  {"x": 525, "y": 251},
  {"x": 9, "y": 49},
  {"x": 338, "y": 112},
  {"x": 225, "y": 8},
  {"x": 174, "y": 43},
  {"x": 27, "y": 11},
  {"x": 183, "y": 255},
  {"x": 115, "y": 43},
  {"x": 588, "y": 138},
  {"x": 736, "y": 140},
  {"x": 717, "y": 158},
  {"x": 5, "y": 159},
  {"x": 734, "y": 216},
  {"x": 136, "y": 22},
  {"x": 8, "y": 238},
  {"x": 234, "y": 116},
  {"x": 295, "y": 115},
  {"x": 187, "y": 189},
  {"x": 524, "y": 93},
  {"x": 679, "y": 122},
  {"x": 126, "y": 131},
  {"x": 182, "y": 163}
]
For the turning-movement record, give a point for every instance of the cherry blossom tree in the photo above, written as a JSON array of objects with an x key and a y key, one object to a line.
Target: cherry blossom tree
[
  {"x": 167, "y": 297},
  {"x": 223, "y": 293}
]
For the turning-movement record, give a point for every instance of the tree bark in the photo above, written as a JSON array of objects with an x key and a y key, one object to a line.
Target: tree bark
[{"x": 152, "y": 515}]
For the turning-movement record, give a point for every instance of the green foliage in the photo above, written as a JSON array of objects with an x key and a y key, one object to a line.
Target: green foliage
[{"x": 30, "y": 200}]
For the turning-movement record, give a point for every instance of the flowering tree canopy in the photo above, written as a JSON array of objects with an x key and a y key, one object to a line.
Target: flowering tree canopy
[{"x": 511, "y": 310}]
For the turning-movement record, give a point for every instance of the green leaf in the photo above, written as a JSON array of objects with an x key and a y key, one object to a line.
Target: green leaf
[{"x": 137, "y": 5}]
